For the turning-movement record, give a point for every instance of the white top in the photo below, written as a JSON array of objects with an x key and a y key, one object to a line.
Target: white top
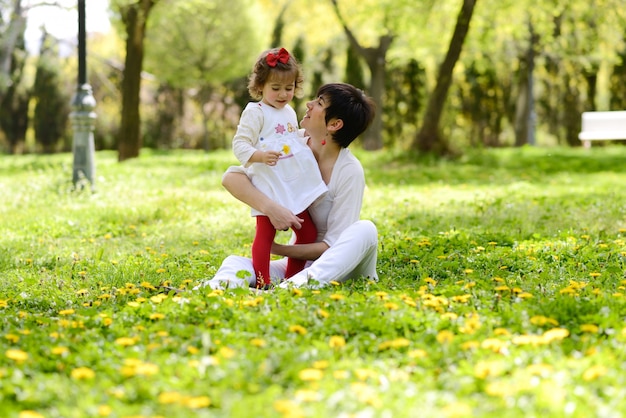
[
  {"x": 341, "y": 206},
  {"x": 295, "y": 181}
]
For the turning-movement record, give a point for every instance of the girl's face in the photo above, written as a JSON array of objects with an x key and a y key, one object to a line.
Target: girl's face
[{"x": 279, "y": 89}]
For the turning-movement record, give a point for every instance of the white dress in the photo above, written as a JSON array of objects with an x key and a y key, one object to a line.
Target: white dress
[{"x": 295, "y": 181}]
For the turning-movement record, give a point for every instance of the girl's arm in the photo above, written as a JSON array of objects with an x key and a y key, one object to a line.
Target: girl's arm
[{"x": 240, "y": 186}]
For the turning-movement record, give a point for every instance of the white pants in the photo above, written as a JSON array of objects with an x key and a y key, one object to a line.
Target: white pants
[{"x": 354, "y": 255}]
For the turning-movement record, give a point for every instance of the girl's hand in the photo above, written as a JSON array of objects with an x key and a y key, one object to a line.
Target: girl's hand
[{"x": 270, "y": 157}]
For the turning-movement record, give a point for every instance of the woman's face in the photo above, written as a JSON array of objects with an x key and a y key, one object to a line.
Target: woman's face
[{"x": 314, "y": 121}]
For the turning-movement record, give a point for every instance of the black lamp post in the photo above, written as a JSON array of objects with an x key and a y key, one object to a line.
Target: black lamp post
[{"x": 83, "y": 116}]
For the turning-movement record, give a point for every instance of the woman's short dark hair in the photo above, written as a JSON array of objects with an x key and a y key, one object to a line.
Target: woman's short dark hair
[{"x": 352, "y": 106}]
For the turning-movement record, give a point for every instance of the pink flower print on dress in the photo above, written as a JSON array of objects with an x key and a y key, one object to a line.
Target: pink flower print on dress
[{"x": 280, "y": 129}]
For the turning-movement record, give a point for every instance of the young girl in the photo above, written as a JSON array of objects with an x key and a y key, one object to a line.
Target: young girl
[{"x": 275, "y": 155}]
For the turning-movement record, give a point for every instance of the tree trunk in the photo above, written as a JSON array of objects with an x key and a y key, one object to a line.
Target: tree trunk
[
  {"x": 376, "y": 62},
  {"x": 429, "y": 138},
  {"x": 134, "y": 17}
]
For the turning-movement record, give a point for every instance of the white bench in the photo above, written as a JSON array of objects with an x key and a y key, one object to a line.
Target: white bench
[{"x": 599, "y": 126}]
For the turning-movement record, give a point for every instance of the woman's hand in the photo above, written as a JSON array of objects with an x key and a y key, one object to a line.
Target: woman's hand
[
  {"x": 240, "y": 186},
  {"x": 282, "y": 218}
]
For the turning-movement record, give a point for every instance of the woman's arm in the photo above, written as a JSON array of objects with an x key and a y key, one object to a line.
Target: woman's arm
[
  {"x": 300, "y": 251},
  {"x": 240, "y": 186}
]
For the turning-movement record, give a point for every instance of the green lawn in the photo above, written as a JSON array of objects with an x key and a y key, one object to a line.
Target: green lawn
[{"x": 502, "y": 293}]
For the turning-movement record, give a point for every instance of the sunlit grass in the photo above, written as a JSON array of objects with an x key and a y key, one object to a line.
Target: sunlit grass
[{"x": 502, "y": 293}]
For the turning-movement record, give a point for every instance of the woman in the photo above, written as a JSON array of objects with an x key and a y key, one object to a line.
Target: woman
[{"x": 346, "y": 246}]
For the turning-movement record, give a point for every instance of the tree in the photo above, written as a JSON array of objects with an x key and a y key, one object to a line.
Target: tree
[
  {"x": 52, "y": 107},
  {"x": 134, "y": 16},
  {"x": 375, "y": 57},
  {"x": 14, "y": 101},
  {"x": 195, "y": 44},
  {"x": 9, "y": 37},
  {"x": 429, "y": 139}
]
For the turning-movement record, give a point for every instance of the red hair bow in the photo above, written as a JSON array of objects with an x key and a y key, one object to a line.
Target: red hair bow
[{"x": 273, "y": 59}]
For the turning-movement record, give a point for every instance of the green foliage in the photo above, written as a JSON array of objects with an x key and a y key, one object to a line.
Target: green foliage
[
  {"x": 52, "y": 100},
  {"x": 501, "y": 293},
  {"x": 199, "y": 43}
]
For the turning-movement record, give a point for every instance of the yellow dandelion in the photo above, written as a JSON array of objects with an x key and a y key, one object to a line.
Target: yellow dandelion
[
  {"x": 197, "y": 402},
  {"x": 539, "y": 369},
  {"x": 322, "y": 313},
  {"x": 12, "y": 338},
  {"x": 341, "y": 374},
  {"x": 484, "y": 369},
  {"x": 542, "y": 320},
  {"x": 555, "y": 334},
  {"x": 157, "y": 316},
  {"x": 158, "y": 298},
  {"x": 445, "y": 337},
  {"x": 594, "y": 372},
  {"x": 193, "y": 350},
  {"x": 391, "y": 306},
  {"x": 430, "y": 281},
  {"x": 66, "y": 312},
  {"x": 335, "y": 283},
  {"x": 307, "y": 395},
  {"x": 59, "y": 351},
  {"x": 309, "y": 375},
  {"x": 337, "y": 296},
  {"x": 286, "y": 149},
  {"x": 417, "y": 353},
  {"x": 321, "y": 364},
  {"x": 590, "y": 328},
  {"x": 227, "y": 352},
  {"x": 364, "y": 374},
  {"x": 501, "y": 331},
  {"x": 148, "y": 285},
  {"x": 29, "y": 414},
  {"x": 470, "y": 345},
  {"x": 336, "y": 341},
  {"x": 298, "y": 329},
  {"x": 449, "y": 315},
  {"x": 493, "y": 344},
  {"x": 82, "y": 292},
  {"x": 286, "y": 407},
  {"x": 410, "y": 302},
  {"x": 16, "y": 355},
  {"x": 125, "y": 341},
  {"x": 104, "y": 410},
  {"x": 82, "y": 373},
  {"x": 258, "y": 342}
]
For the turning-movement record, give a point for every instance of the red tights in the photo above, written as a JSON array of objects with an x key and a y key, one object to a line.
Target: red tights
[{"x": 262, "y": 245}]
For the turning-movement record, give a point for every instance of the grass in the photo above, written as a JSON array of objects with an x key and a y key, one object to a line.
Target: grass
[{"x": 501, "y": 293}]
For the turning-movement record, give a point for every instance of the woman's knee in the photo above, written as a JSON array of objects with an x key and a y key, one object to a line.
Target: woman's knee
[{"x": 368, "y": 231}]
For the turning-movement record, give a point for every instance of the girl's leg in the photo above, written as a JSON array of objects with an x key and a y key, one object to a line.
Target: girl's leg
[
  {"x": 352, "y": 256},
  {"x": 305, "y": 235},
  {"x": 261, "y": 250}
]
